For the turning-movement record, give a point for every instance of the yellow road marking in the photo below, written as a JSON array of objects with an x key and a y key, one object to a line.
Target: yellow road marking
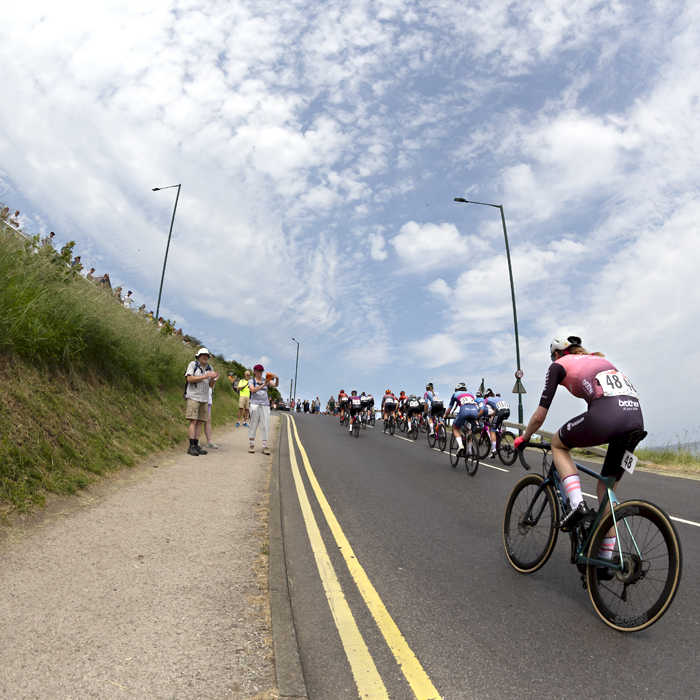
[
  {"x": 416, "y": 676},
  {"x": 369, "y": 683}
]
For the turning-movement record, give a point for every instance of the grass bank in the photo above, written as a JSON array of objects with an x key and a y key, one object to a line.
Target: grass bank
[{"x": 86, "y": 386}]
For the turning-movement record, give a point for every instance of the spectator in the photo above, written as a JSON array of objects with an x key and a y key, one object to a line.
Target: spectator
[
  {"x": 331, "y": 406},
  {"x": 47, "y": 241},
  {"x": 234, "y": 381},
  {"x": 5, "y": 214},
  {"x": 14, "y": 219},
  {"x": 200, "y": 378},
  {"x": 141, "y": 310},
  {"x": 118, "y": 294},
  {"x": 161, "y": 321},
  {"x": 105, "y": 284},
  {"x": 90, "y": 277},
  {"x": 76, "y": 264},
  {"x": 260, "y": 407},
  {"x": 318, "y": 405},
  {"x": 306, "y": 405},
  {"x": 127, "y": 300},
  {"x": 244, "y": 400}
]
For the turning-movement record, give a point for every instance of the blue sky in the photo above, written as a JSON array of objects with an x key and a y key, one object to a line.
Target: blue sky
[{"x": 320, "y": 147}]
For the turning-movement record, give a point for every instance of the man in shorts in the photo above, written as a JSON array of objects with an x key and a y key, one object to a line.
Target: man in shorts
[
  {"x": 200, "y": 378},
  {"x": 243, "y": 400}
]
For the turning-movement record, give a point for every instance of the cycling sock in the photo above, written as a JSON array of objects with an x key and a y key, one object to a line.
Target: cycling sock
[
  {"x": 459, "y": 443},
  {"x": 493, "y": 445},
  {"x": 572, "y": 488},
  {"x": 607, "y": 548}
]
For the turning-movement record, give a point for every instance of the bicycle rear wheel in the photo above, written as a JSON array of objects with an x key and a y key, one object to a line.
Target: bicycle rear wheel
[
  {"x": 431, "y": 438},
  {"x": 441, "y": 437},
  {"x": 356, "y": 427},
  {"x": 423, "y": 424},
  {"x": 638, "y": 595},
  {"x": 484, "y": 446},
  {"x": 529, "y": 534},
  {"x": 506, "y": 449},
  {"x": 392, "y": 426},
  {"x": 372, "y": 419},
  {"x": 471, "y": 454}
]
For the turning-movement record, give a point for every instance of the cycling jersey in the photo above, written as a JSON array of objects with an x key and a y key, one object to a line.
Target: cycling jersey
[
  {"x": 355, "y": 404},
  {"x": 389, "y": 401},
  {"x": 413, "y": 405},
  {"x": 501, "y": 411},
  {"x": 462, "y": 399},
  {"x": 343, "y": 399}
]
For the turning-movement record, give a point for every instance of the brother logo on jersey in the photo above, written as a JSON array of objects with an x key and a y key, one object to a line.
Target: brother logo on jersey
[
  {"x": 587, "y": 386},
  {"x": 634, "y": 405}
]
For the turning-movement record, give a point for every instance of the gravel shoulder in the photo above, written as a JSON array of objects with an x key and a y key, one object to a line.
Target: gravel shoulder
[{"x": 152, "y": 585}]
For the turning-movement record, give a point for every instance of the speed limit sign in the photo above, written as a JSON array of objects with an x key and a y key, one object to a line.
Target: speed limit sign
[{"x": 519, "y": 374}]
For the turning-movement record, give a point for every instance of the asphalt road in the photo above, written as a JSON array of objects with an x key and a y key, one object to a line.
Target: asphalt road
[{"x": 429, "y": 538}]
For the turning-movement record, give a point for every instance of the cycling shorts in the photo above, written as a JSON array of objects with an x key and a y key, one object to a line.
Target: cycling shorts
[
  {"x": 498, "y": 418},
  {"x": 414, "y": 411},
  {"x": 389, "y": 406},
  {"x": 607, "y": 418},
  {"x": 467, "y": 413},
  {"x": 438, "y": 410},
  {"x": 354, "y": 410}
]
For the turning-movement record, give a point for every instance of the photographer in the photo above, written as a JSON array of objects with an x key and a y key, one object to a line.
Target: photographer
[
  {"x": 260, "y": 406},
  {"x": 200, "y": 378}
]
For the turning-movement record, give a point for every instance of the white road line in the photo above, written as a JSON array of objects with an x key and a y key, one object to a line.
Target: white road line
[
  {"x": 402, "y": 438},
  {"x": 491, "y": 466},
  {"x": 678, "y": 520}
]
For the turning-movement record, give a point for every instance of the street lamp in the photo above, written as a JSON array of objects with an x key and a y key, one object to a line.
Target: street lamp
[
  {"x": 295, "y": 371},
  {"x": 167, "y": 247},
  {"x": 519, "y": 373}
]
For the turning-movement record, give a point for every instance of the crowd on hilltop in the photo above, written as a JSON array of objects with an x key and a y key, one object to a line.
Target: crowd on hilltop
[{"x": 10, "y": 223}]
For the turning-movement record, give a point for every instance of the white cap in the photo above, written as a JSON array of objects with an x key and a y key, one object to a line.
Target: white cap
[{"x": 202, "y": 351}]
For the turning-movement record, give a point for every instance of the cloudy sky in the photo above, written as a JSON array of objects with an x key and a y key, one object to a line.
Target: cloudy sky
[{"x": 320, "y": 147}]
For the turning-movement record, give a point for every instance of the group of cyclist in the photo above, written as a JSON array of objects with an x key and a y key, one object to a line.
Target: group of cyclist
[{"x": 354, "y": 405}]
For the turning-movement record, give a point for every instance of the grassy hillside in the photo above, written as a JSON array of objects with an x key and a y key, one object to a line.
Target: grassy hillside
[{"x": 86, "y": 387}]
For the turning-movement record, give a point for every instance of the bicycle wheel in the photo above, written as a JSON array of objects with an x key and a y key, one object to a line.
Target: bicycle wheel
[
  {"x": 529, "y": 534},
  {"x": 431, "y": 438},
  {"x": 642, "y": 592},
  {"x": 414, "y": 430},
  {"x": 363, "y": 422},
  {"x": 392, "y": 426},
  {"x": 484, "y": 446},
  {"x": 372, "y": 419},
  {"x": 356, "y": 427},
  {"x": 441, "y": 437},
  {"x": 471, "y": 454},
  {"x": 423, "y": 424},
  {"x": 454, "y": 459},
  {"x": 506, "y": 449}
]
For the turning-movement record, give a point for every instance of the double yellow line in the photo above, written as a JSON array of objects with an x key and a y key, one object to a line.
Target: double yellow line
[{"x": 364, "y": 670}]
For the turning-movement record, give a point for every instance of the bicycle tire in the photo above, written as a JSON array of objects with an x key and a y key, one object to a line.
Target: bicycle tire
[
  {"x": 454, "y": 459},
  {"x": 372, "y": 419},
  {"x": 506, "y": 449},
  {"x": 471, "y": 455},
  {"x": 653, "y": 560},
  {"x": 441, "y": 437},
  {"x": 431, "y": 438},
  {"x": 423, "y": 425},
  {"x": 356, "y": 427},
  {"x": 484, "y": 445},
  {"x": 401, "y": 424},
  {"x": 414, "y": 430},
  {"x": 529, "y": 545},
  {"x": 392, "y": 426}
]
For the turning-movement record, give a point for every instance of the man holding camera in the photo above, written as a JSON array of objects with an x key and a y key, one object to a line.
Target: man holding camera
[
  {"x": 200, "y": 376},
  {"x": 260, "y": 406}
]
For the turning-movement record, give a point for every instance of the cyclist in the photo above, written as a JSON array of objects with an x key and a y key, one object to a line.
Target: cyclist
[
  {"x": 413, "y": 408},
  {"x": 401, "y": 408},
  {"x": 388, "y": 404},
  {"x": 355, "y": 406},
  {"x": 343, "y": 400},
  {"x": 500, "y": 410},
  {"x": 613, "y": 412},
  {"x": 467, "y": 412},
  {"x": 434, "y": 405}
]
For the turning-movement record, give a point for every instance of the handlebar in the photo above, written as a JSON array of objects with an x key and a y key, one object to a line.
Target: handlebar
[{"x": 544, "y": 446}]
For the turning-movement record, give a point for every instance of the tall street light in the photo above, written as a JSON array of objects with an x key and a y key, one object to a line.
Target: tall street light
[
  {"x": 295, "y": 371},
  {"x": 167, "y": 247},
  {"x": 519, "y": 373}
]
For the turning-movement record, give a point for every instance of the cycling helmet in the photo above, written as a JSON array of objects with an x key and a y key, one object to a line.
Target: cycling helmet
[
  {"x": 363, "y": 394},
  {"x": 497, "y": 394},
  {"x": 479, "y": 394},
  {"x": 461, "y": 387},
  {"x": 403, "y": 393},
  {"x": 388, "y": 391},
  {"x": 354, "y": 393},
  {"x": 562, "y": 342},
  {"x": 428, "y": 386},
  {"x": 489, "y": 392}
]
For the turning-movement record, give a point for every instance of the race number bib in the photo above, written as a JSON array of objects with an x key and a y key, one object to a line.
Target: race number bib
[
  {"x": 615, "y": 383},
  {"x": 466, "y": 401},
  {"x": 413, "y": 404},
  {"x": 501, "y": 405},
  {"x": 629, "y": 462},
  {"x": 356, "y": 402}
]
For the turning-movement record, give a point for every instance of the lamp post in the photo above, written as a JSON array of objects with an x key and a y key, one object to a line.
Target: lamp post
[
  {"x": 295, "y": 371},
  {"x": 519, "y": 373},
  {"x": 167, "y": 247}
]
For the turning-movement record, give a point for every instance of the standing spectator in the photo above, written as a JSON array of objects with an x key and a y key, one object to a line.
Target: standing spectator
[
  {"x": 318, "y": 405},
  {"x": 313, "y": 407},
  {"x": 306, "y": 405},
  {"x": 5, "y": 214},
  {"x": 207, "y": 425},
  {"x": 141, "y": 310},
  {"x": 47, "y": 241},
  {"x": 200, "y": 378},
  {"x": 244, "y": 400},
  {"x": 14, "y": 219},
  {"x": 260, "y": 407},
  {"x": 105, "y": 284},
  {"x": 331, "y": 406},
  {"x": 118, "y": 294},
  {"x": 76, "y": 264},
  {"x": 90, "y": 277},
  {"x": 127, "y": 300}
]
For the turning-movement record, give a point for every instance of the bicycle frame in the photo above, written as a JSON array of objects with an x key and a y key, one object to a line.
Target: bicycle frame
[{"x": 577, "y": 548}]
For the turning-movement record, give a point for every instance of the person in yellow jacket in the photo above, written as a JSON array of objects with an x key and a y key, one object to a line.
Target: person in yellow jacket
[{"x": 243, "y": 400}]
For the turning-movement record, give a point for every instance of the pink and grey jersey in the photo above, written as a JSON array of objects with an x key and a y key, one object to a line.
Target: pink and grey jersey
[
  {"x": 579, "y": 374},
  {"x": 463, "y": 399}
]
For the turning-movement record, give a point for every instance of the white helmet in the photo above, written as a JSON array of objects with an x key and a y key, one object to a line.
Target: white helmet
[
  {"x": 461, "y": 387},
  {"x": 561, "y": 342}
]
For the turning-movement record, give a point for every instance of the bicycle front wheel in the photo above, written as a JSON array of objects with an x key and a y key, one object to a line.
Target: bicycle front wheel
[
  {"x": 638, "y": 595},
  {"x": 529, "y": 534},
  {"x": 471, "y": 454},
  {"x": 506, "y": 449},
  {"x": 441, "y": 437},
  {"x": 484, "y": 446},
  {"x": 423, "y": 424}
]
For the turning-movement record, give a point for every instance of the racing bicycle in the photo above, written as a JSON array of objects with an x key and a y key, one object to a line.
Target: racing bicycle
[
  {"x": 505, "y": 443},
  {"x": 470, "y": 453},
  {"x": 629, "y": 592},
  {"x": 439, "y": 433}
]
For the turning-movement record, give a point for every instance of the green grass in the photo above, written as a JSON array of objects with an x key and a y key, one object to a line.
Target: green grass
[{"x": 86, "y": 387}]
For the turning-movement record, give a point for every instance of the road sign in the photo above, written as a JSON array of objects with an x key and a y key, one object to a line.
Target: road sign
[
  {"x": 519, "y": 388},
  {"x": 519, "y": 374}
]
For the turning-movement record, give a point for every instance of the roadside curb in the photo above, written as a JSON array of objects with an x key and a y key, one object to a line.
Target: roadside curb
[{"x": 288, "y": 671}]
